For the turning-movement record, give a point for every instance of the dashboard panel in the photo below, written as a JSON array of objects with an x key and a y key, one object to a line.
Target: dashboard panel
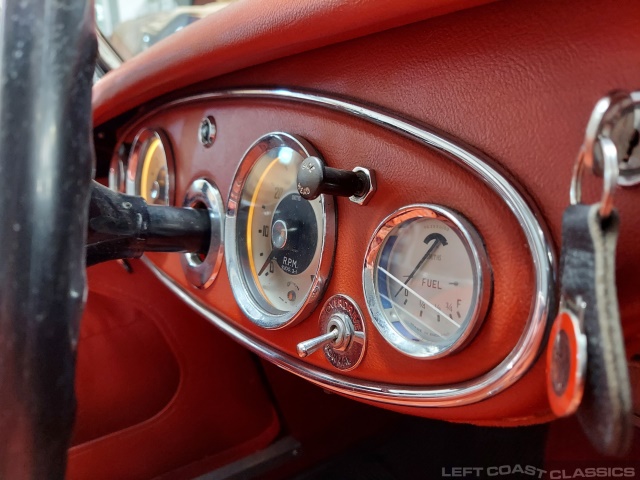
[
  {"x": 515, "y": 80},
  {"x": 409, "y": 170}
]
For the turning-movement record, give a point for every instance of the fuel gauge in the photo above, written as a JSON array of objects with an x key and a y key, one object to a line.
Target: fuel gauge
[{"x": 427, "y": 280}]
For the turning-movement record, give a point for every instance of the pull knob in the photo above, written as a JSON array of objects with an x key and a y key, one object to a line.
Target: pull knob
[
  {"x": 315, "y": 178},
  {"x": 307, "y": 347}
]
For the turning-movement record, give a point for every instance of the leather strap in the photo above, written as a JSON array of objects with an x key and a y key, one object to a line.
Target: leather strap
[{"x": 588, "y": 271}]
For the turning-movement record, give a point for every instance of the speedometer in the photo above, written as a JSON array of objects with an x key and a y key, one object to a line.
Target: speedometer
[
  {"x": 280, "y": 246},
  {"x": 427, "y": 280}
]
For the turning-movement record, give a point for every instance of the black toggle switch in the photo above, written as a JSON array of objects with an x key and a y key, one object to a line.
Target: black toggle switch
[{"x": 315, "y": 178}]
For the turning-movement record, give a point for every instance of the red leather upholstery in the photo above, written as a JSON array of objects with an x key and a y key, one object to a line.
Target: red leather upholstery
[
  {"x": 155, "y": 391},
  {"x": 127, "y": 372}
]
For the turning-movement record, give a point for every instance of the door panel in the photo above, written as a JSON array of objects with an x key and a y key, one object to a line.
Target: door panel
[{"x": 158, "y": 388}]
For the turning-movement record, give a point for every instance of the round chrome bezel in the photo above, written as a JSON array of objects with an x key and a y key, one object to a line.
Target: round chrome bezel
[
  {"x": 202, "y": 273},
  {"x": 236, "y": 268},
  {"x": 481, "y": 271},
  {"x": 117, "y": 171},
  {"x": 135, "y": 163}
]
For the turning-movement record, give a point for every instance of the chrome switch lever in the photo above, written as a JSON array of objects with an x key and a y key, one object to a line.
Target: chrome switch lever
[
  {"x": 307, "y": 347},
  {"x": 343, "y": 340},
  {"x": 339, "y": 334}
]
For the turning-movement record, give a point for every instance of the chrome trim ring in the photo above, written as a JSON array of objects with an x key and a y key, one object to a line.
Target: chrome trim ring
[
  {"x": 201, "y": 272},
  {"x": 481, "y": 272},
  {"x": 117, "y": 171},
  {"x": 347, "y": 356},
  {"x": 242, "y": 290},
  {"x": 134, "y": 165},
  {"x": 543, "y": 305}
]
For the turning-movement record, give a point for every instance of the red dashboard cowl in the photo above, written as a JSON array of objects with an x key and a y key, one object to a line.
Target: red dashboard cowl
[{"x": 251, "y": 33}]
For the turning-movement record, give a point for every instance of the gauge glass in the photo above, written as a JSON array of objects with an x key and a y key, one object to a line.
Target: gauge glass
[
  {"x": 429, "y": 280},
  {"x": 150, "y": 168},
  {"x": 283, "y": 243}
]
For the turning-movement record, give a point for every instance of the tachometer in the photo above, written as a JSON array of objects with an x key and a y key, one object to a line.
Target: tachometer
[
  {"x": 150, "y": 169},
  {"x": 427, "y": 280},
  {"x": 280, "y": 246}
]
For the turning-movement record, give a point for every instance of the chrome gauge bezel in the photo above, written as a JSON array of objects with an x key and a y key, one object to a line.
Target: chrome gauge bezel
[
  {"x": 137, "y": 155},
  {"x": 202, "y": 272},
  {"x": 235, "y": 266},
  {"x": 117, "y": 170},
  {"x": 481, "y": 271}
]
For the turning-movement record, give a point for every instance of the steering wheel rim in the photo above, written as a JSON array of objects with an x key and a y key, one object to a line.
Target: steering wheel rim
[{"x": 47, "y": 55}]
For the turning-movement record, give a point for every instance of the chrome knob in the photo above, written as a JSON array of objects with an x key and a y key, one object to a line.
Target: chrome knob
[{"x": 315, "y": 178}]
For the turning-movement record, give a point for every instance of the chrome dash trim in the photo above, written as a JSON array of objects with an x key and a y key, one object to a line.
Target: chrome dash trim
[{"x": 543, "y": 306}]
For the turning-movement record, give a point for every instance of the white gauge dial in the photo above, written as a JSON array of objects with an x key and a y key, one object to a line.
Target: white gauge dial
[
  {"x": 154, "y": 174},
  {"x": 283, "y": 244},
  {"x": 150, "y": 169},
  {"x": 429, "y": 280},
  {"x": 282, "y": 231}
]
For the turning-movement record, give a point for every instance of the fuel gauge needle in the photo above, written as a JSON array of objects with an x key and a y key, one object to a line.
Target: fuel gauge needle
[{"x": 437, "y": 241}]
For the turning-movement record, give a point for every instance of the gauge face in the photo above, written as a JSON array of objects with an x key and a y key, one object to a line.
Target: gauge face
[
  {"x": 427, "y": 280},
  {"x": 150, "y": 169},
  {"x": 283, "y": 243}
]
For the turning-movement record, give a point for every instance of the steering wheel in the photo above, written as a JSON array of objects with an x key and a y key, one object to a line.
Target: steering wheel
[{"x": 47, "y": 57}]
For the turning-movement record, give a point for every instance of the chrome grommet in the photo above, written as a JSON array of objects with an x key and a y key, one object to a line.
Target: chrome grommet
[
  {"x": 207, "y": 132},
  {"x": 202, "y": 271}
]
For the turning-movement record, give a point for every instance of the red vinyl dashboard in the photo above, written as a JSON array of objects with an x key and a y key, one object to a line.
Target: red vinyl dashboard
[{"x": 514, "y": 80}]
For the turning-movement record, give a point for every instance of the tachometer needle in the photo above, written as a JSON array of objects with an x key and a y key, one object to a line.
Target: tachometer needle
[
  {"x": 437, "y": 241},
  {"x": 267, "y": 261}
]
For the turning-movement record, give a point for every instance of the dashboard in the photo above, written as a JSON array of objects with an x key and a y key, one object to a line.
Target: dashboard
[
  {"x": 418, "y": 272},
  {"x": 444, "y": 276}
]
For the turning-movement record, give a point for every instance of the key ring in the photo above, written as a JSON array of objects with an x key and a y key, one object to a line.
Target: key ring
[
  {"x": 611, "y": 171},
  {"x": 606, "y": 114}
]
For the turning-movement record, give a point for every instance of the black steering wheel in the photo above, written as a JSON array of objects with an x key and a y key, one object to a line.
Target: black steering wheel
[{"x": 47, "y": 55}]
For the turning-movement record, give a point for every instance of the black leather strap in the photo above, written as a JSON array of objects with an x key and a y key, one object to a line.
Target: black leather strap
[{"x": 588, "y": 271}]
